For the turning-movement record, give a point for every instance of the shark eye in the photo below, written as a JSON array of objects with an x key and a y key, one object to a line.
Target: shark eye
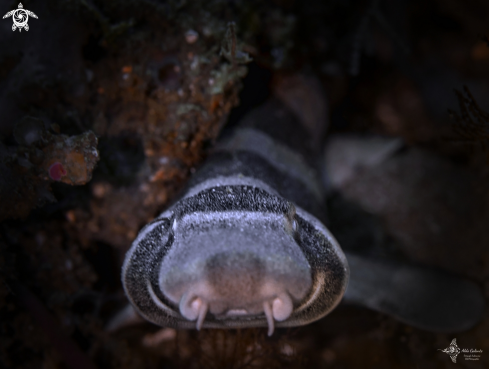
[
  {"x": 295, "y": 225},
  {"x": 291, "y": 224}
]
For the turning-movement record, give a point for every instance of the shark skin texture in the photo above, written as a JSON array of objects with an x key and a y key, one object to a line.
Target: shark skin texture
[{"x": 245, "y": 245}]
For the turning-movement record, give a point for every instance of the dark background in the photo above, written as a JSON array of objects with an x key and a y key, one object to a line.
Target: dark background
[{"x": 156, "y": 99}]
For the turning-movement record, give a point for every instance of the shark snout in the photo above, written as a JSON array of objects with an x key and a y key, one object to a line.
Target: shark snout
[
  {"x": 234, "y": 274},
  {"x": 240, "y": 284}
]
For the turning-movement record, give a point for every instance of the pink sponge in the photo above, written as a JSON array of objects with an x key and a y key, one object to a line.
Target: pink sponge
[{"x": 56, "y": 171}]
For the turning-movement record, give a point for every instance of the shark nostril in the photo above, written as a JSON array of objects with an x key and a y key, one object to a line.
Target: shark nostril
[
  {"x": 194, "y": 308},
  {"x": 278, "y": 310},
  {"x": 189, "y": 306},
  {"x": 282, "y": 307}
]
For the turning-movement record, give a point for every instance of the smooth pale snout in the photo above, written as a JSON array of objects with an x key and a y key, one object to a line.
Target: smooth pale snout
[
  {"x": 236, "y": 284},
  {"x": 235, "y": 267}
]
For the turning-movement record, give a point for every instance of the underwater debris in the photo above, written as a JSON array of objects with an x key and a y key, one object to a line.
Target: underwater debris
[
  {"x": 243, "y": 348},
  {"x": 71, "y": 158},
  {"x": 223, "y": 76},
  {"x": 230, "y": 48},
  {"x": 230, "y": 349},
  {"x": 41, "y": 158}
]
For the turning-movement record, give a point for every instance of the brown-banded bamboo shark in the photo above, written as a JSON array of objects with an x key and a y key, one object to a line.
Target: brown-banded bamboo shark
[{"x": 246, "y": 246}]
